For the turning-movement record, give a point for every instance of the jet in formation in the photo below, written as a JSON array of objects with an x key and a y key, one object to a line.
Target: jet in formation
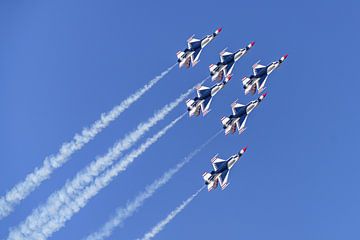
[
  {"x": 221, "y": 171},
  {"x": 204, "y": 97},
  {"x": 227, "y": 62},
  {"x": 193, "y": 51},
  {"x": 257, "y": 81},
  {"x": 240, "y": 115}
]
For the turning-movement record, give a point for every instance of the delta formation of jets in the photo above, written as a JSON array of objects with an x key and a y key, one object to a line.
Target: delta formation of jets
[{"x": 222, "y": 72}]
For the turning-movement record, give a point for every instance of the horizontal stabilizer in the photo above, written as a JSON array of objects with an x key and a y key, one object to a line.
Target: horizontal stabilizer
[
  {"x": 246, "y": 81},
  {"x": 179, "y": 54},
  {"x": 206, "y": 176},
  {"x": 225, "y": 121},
  {"x": 212, "y": 67},
  {"x": 189, "y": 103}
]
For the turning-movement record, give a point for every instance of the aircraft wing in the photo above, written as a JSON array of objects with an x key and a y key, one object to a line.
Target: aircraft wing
[
  {"x": 217, "y": 162},
  {"x": 262, "y": 81},
  {"x": 236, "y": 108},
  {"x": 229, "y": 68},
  {"x": 205, "y": 106},
  {"x": 202, "y": 91},
  {"x": 195, "y": 57},
  {"x": 224, "y": 179},
  {"x": 193, "y": 42},
  {"x": 225, "y": 56},
  {"x": 257, "y": 68},
  {"x": 241, "y": 123}
]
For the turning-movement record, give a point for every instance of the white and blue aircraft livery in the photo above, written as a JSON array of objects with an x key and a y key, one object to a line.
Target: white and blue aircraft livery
[
  {"x": 239, "y": 116},
  {"x": 258, "y": 79},
  {"x": 192, "y": 52},
  {"x": 221, "y": 171},
  {"x": 204, "y": 97},
  {"x": 227, "y": 61}
]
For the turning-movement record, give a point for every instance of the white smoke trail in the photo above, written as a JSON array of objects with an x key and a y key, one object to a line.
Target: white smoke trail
[
  {"x": 131, "y": 207},
  {"x": 160, "y": 226},
  {"x": 41, "y": 214},
  {"x": 54, "y": 220},
  {"x": 22, "y": 189}
]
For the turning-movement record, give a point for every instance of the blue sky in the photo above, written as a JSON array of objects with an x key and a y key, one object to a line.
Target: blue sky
[{"x": 62, "y": 63}]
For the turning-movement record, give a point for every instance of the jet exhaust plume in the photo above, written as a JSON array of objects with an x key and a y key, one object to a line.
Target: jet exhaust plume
[
  {"x": 123, "y": 213},
  {"x": 41, "y": 215},
  {"x": 162, "y": 224},
  {"x": 53, "y": 220},
  {"x": 33, "y": 180}
]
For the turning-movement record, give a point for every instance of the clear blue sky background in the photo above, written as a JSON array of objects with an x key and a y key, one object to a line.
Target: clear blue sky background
[{"x": 62, "y": 63}]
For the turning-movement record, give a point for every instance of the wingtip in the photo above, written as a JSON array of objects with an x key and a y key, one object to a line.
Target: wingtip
[{"x": 228, "y": 77}]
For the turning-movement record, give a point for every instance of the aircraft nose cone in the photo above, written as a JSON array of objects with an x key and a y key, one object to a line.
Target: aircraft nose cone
[
  {"x": 264, "y": 95},
  {"x": 245, "y": 148},
  {"x": 219, "y": 30},
  {"x": 285, "y": 56},
  {"x": 252, "y": 44}
]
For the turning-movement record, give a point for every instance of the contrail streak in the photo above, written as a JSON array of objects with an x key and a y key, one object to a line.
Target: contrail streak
[
  {"x": 54, "y": 220},
  {"x": 22, "y": 189},
  {"x": 41, "y": 214},
  {"x": 160, "y": 226},
  {"x": 123, "y": 213}
]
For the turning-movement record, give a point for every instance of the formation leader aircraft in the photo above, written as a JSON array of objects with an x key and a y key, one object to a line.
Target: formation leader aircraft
[
  {"x": 227, "y": 61},
  {"x": 239, "y": 116},
  {"x": 220, "y": 174},
  {"x": 193, "y": 51},
  {"x": 258, "y": 79}
]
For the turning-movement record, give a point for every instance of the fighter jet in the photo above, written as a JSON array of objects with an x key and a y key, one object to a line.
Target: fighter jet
[
  {"x": 192, "y": 52},
  {"x": 261, "y": 73},
  {"x": 227, "y": 61},
  {"x": 239, "y": 116},
  {"x": 221, "y": 171},
  {"x": 204, "y": 97}
]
